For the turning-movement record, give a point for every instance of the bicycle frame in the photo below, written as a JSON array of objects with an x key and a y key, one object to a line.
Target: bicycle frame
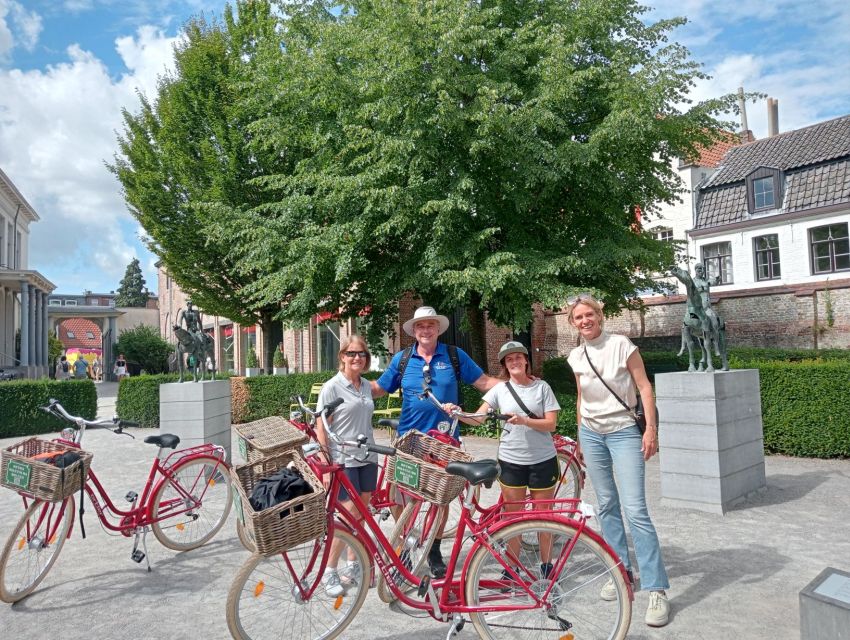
[{"x": 452, "y": 598}]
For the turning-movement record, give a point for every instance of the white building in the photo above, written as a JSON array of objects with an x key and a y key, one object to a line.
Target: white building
[{"x": 23, "y": 292}]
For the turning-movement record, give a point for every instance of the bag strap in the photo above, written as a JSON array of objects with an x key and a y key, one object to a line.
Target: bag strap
[
  {"x": 521, "y": 404},
  {"x": 453, "y": 357},
  {"x": 601, "y": 379}
]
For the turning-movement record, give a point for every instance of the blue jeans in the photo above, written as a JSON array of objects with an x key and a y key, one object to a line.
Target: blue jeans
[{"x": 620, "y": 453}]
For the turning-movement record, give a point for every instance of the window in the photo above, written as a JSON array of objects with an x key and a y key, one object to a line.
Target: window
[
  {"x": 70, "y": 303},
  {"x": 662, "y": 233},
  {"x": 71, "y": 335},
  {"x": 53, "y": 302},
  {"x": 717, "y": 259},
  {"x": 90, "y": 335},
  {"x": 830, "y": 248},
  {"x": 763, "y": 193},
  {"x": 767, "y": 257}
]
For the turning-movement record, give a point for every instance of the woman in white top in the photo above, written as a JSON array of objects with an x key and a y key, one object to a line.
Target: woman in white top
[
  {"x": 527, "y": 454},
  {"x": 350, "y": 419},
  {"x": 613, "y": 446}
]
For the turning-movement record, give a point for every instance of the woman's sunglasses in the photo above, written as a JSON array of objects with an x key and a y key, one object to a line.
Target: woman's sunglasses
[
  {"x": 579, "y": 298},
  {"x": 354, "y": 354}
]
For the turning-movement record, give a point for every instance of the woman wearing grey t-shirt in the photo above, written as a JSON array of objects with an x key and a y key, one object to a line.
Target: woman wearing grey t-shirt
[{"x": 527, "y": 452}]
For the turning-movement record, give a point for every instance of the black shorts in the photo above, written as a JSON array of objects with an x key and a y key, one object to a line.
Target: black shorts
[
  {"x": 363, "y": 479},
  {"x": 543, "y": 475}
]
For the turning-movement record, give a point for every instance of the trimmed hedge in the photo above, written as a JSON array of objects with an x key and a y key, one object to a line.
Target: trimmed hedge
[{"x": 20, "y": 401}]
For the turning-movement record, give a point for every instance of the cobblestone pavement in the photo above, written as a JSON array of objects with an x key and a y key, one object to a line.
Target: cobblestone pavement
[{"x": 736, "y": 576}]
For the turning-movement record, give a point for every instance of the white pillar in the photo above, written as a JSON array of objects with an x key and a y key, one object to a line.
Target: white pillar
[
  {"x": 25, "y": 325},
  {"x": 9, "y": 324},
  {"x": 31, "y": 318},
  {"x": 3, "y": 349},
  {"x": 45, "y": 350},
  {"x": 39, "y": 328}
]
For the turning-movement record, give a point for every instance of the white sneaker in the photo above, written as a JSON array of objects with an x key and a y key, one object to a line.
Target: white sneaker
[
  {"x": 658, "y": 611},
  {"x": 351, "y": 575},
  {"x": 333, "y": 586},
  {"x": 609, "y": 591}
]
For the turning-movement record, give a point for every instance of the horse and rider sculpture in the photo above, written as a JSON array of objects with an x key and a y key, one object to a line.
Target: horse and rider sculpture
[
  {"x": 194, "y": 343},
  {"x": 701, "y": 328}
]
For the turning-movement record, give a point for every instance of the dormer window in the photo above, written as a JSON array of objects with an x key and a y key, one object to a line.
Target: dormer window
[{"x": 764, "y": 190}]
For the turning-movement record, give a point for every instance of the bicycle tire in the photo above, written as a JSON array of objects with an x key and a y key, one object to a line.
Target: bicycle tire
[
  {"x": 245, "y": 538},
  {"x": 193, "y": 528},
  {"x": 568, "y": 487},
  {"x": 574, "y": 595},
  {"x": 414, "y": 533},
  {"x": 26, "y": 555},
  {"x": 283, "y": 612}
]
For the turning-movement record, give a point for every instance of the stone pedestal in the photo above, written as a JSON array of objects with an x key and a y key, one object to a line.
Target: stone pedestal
[
  {"x": 710, "y": 436},
  {"x": 197, "y": 412},
  {"x": 825, "y": 607}
]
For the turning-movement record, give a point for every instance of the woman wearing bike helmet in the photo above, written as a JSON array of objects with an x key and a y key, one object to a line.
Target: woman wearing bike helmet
[
  {"x": 527, "y": 452},
  {"x": 350, "y": 419}
]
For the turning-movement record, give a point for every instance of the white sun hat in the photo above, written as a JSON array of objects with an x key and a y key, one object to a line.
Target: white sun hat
[{"x": 426, "y": 313}]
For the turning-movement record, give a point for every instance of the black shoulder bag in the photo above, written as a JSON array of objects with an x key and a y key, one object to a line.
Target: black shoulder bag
[
  {"x": 521, "y": 404},
  {"x": 637, "y": 413}
]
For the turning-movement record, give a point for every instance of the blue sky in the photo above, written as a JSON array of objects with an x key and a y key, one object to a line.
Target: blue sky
[{"x": 68, "y": 67}]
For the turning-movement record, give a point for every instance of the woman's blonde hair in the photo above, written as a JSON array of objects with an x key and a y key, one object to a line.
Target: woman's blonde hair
[
  {"x": 590, "y": 301},
  {"x": 345, "y": 345}
]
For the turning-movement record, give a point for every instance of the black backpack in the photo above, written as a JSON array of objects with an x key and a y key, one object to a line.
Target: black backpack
[
  {"x": 452, "y": 349},
  {"x": 65, "y": 366}
]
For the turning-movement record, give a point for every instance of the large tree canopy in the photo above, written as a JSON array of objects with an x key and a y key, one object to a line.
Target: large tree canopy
[{"x": 488, "y": 154}]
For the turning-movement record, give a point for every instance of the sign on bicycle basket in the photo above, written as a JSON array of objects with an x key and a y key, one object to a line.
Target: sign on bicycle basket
[
  {"x": 237, "y": 503},
  {"x": 406, "y": 472},
  {"x": 18, "y": 474},
  {"x": 243, "y": 448}
]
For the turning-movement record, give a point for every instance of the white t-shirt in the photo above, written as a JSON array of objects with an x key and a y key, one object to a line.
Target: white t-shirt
[
  {"x": 350, "y": 419},
  {"x": 600, "y": 410},
  {"x": 521, "y": 444}
]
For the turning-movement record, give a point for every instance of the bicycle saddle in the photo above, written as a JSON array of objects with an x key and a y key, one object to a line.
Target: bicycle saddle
[
  {"x": 166, "y": 441},
  {"x": 478, "y": 472}
]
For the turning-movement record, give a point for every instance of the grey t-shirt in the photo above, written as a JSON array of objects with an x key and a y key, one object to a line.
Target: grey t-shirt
[
  {"x": 521, "y": 444},
  {"x": 350, "y": 419}
]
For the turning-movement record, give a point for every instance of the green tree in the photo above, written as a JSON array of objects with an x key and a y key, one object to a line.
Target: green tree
[
  {"x": 143, "y": 345},
  {"x": 54, "y": 352},
  {"x": 131, "y": 290},
  {"x": 186, "y": 152},
  {"x": 487, "y": 154}
]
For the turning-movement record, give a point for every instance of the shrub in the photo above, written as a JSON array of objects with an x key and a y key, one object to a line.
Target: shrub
[
  {"x": 20, "y": 401},
  {"x": 138, "y": 397},
  {"x": 142, "y": 345},
  {"x": 278, "y": 360},
  {"x": 559, "y": 375},
  {"x": 251, "y": 359},
  {"x": 54, "y": 352}
]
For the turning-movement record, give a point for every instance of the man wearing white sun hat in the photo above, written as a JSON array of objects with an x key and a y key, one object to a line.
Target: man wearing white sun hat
[{"x": 442, "y": 367}]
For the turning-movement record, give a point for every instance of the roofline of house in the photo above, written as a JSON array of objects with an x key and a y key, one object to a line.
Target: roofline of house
[
  {"x": 769, "y": 220},
  {"x": 17, "y": 197}
]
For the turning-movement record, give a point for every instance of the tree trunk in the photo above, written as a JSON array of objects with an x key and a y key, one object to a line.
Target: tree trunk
[{"x": 477, "y": 333}]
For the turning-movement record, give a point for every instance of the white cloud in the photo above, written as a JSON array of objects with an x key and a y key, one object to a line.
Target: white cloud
[
  {"x": 77, "y": 6},
  {"x": 23, "y": 31},
  {"x": 57, "y": 128}
]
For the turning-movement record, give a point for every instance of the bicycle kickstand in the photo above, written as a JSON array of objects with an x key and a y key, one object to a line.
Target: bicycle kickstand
[
  {"x": 138, "y": 555},
  {"x": 456, "y": 626}
]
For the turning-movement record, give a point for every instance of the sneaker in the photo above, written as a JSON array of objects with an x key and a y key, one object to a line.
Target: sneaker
[
  {"x": 609, "y": 591},
  {"x": 508, "y": 579},
  {"x": 351, "y": 575},
  {"x": 658, "y": 611},
  {"x": 333, "y": 586},
  {"x": 545, "y": 569},
  {"x": 435, "y": 562}
]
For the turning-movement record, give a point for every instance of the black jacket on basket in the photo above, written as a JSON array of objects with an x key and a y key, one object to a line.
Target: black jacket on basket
[{"x": 285, "y": 484}]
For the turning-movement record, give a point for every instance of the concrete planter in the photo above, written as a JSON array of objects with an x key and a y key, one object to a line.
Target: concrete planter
[
  {"x": 281, "y": 371},
  {"x": 253, "y": 372}
]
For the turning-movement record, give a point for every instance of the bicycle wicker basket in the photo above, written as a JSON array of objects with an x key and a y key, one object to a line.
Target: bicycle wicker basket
[
  {"x": 410, "y": 467},
  {"x": 20, "y": 472},
  {"x": 287, "y": 524},
  {"x": 266, "y": 437}
]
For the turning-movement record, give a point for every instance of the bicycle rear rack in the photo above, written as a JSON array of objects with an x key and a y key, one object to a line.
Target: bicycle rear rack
[{"x": 207, "y": 448}]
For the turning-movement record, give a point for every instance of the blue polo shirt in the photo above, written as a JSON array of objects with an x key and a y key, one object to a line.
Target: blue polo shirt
[{"x": 421, "y": 414}]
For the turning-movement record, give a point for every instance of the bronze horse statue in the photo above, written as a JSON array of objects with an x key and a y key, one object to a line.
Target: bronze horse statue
[
  {"x": 701, "y": 327},
  {"x": 199, "y": 348}
]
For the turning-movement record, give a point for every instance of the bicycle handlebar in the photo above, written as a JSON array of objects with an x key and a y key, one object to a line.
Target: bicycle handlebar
[
  {"x": 427, "y": 394},
  {"x": 54, "y": 408}
]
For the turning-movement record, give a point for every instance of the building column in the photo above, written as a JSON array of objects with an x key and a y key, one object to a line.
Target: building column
[
  {"x": 9, "y": 324},
  {"x": 219, "y": 353},
  {"x": 45, "y": 348},
  {"x": 25, "y": 325},
  {"x": 33, "y": 361},
  {"x": 39, "y": 328},
  {"x": 3, "y": 349}
]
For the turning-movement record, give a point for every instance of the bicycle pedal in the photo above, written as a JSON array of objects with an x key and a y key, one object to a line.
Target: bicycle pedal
[
  {"x": 131, "y": 497},
  {"x": 137, "y": 556},
  {"x": 385, "y": 513}
]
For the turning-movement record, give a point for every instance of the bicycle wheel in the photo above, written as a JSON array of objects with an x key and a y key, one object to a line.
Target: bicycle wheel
[
  {"x": 245, "y": 537},
  {"x": 33, "y": 547},
  {"x": 455, "y": 509},
  {"x": 190, "y": 507},
  {"x": 283, "y": 596},
  {"x": 412, "y": 538},
  {"x": 569, "y": 486},
  {"x": 573, "y": 604}
]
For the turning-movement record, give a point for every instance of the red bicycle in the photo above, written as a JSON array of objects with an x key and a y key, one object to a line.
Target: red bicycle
[
  {"x": 506, "y": 590},
  {"x": 185, "y": 501}
]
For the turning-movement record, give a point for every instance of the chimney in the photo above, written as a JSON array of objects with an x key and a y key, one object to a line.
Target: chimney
[
  {"x": 772, "y": 117},
  {"x": 742, "y": 106}
]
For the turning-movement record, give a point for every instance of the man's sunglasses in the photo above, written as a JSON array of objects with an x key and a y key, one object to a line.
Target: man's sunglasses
[
  {"x": 354, "y": 354},
  {"x": 426, "y": 374}
]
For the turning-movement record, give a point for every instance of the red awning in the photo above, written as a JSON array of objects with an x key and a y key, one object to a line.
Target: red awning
[
  {"x": 227, "y": 330},
  {"x": 251, "y": 329}
]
